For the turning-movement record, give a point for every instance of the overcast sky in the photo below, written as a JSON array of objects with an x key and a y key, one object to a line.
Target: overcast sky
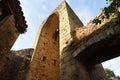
[{"x": 35, "y": 12}]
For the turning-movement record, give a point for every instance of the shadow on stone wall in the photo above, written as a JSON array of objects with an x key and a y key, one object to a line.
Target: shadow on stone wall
[{"x": 16, "y": 65}]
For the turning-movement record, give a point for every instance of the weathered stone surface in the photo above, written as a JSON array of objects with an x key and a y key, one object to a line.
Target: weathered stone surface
[
  {"x": 94, "y": 33},
  {"x": 72, "y": 69},
  {"x": 46, "y": 48},
  {"x": 8, "y": 34},
  {"x": 97, "y": 72},
  {"x": 46, "y": 60},
  {"x": 12, "y": 23},
  {"x": 9, "y": 29},
  {"x": 65, "y": 49},
  {"x": 16, "y": 65}
]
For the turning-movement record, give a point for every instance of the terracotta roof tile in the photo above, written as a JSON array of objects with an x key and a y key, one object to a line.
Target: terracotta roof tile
[{"x": 15, "y": 9}]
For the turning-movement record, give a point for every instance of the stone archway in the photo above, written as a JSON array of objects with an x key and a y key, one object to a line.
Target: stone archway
[
  {"x": 101, "y": 43},
  {"x": 98, "y": 52},
  {"x": 101, "y": 51}
]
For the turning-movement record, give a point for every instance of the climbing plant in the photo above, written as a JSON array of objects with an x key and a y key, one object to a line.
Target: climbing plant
[
  {"x": 113, "y": 10},
  {"x": 111, "y": 75}
]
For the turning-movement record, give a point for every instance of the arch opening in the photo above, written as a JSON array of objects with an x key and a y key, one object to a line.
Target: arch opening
[
  {"x": 101, "y": 51},
  {"x": 97, "y": 53}
]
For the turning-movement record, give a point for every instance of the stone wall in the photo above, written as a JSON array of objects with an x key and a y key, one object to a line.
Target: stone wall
[
  {"x": 61, "y": 39},
  {"x": 93, "y": 33},
  {"x": 16, "y": 65},
  {"x": 71, "y": 68},
  {"x": 97, "y": 72},
  {"x": 48, "y": 51},
  {"x": 46, "y": 60},
  {"x": 8, "y": 35},
  {"x": 12, "y": 23}
]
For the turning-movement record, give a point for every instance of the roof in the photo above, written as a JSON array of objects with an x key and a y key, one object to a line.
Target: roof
[{"x": 13, "y": 7}]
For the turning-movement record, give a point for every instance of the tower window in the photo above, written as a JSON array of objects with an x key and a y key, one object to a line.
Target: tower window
[
  {"x": 56, "y": 35},
  {"x": 54, "y": 62},
  {"x": 44, "y": 58}
]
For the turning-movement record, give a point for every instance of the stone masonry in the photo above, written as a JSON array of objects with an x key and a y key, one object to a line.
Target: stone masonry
[
  {"x": 53, "y": 58},
  {"x": 16, "y": 65},
  {"x": 64, "y": 48},
  {"x": 12, "y": 23}
]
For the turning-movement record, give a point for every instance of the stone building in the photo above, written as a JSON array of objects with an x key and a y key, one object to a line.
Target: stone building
[
  {"x": 52, "y": 60},
  {"x": 65, "y": 49},
  {"x": 16, "y": 65},
  {"x": 12, "y": 24}
]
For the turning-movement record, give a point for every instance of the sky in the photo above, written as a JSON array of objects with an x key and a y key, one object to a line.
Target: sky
[{"x": 36, "y": 11}]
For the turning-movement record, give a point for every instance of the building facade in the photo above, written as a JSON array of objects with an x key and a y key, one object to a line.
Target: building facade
[
  {"x": 54, "y": 45},
  {"x": 12, "y": 24}
]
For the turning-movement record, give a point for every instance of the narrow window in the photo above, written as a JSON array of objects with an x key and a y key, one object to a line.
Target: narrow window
[
  {"x": 54, "y": 62},
  {"x": 56, "y": 35},
  {"x": 44, "y": 59}
]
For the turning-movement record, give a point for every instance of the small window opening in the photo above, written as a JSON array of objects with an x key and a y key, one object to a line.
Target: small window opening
[
  {"x": 56, "y": 35},
  {"x": 54, "y": 62},
  {"x": 44, "y": 58},
  {"x": 72, "y": 43}
]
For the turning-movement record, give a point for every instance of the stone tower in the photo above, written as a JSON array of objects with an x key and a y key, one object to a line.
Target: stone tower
[{"x": 52, "y": 59}]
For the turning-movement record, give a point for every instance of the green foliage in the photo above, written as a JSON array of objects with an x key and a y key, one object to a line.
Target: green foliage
[
  {"x": 110, "y": 75},
  {"x": 110, "y": 11},
  {"x": 96, "y": 21}
]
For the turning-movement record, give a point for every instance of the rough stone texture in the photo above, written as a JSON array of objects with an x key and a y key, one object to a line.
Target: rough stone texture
[
  {"x": 65, "y": 49},
  {"x": 77, "y": 50},
  {"x": 16, "y": 65},
  {"x": 10, "y": 18},
  {"x": 45, "y": 64},
  {"x": 8, "y": 34},
  {"x": 12, "y": 23},
  {"x": 13, "y": 7},
  {"x": 92, "y": 33},
  {"x": 67, "y": 67},
  {"x": 98, "y": 43},
  {"x": 72, "y": 69},
  {"x": 96, "y": 72}
]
